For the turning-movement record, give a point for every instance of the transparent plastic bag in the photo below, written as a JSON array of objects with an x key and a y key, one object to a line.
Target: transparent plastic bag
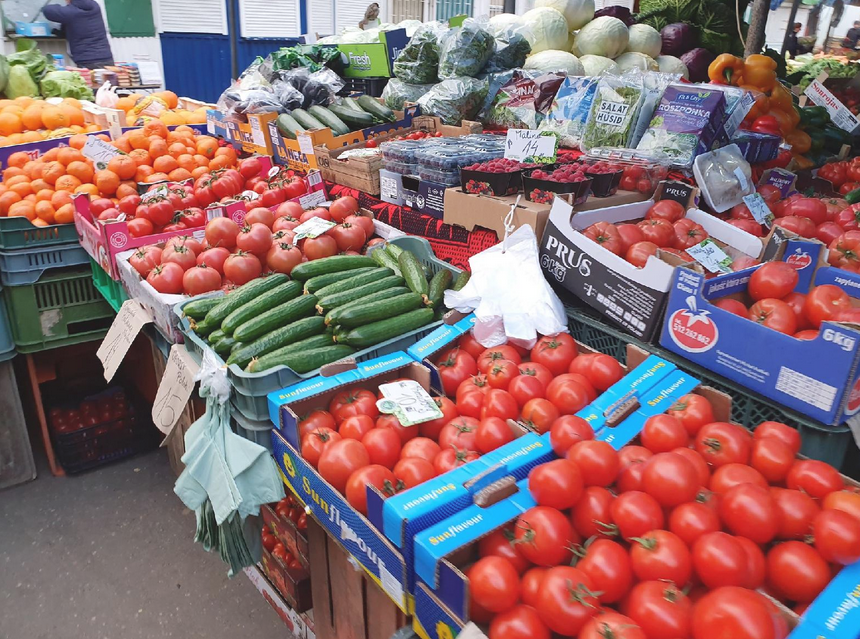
[
  {"x": 235, "y": 101},
  {"x": 319, "y": 87},
  {"x": 289, "y": 97},
  {"x": 455, "y": 99},
  {"x": 418, "y": 63},
  {"x": 511, "y": 48},
  {"x": 397, "y": 93},
  {"x": 524, "y": 101},
  {"x": 465, "y": 50},
  {"x": 653, "y": 84},
  {"x": 570, "y": 109},
  {"x": 724, "y": 177},
  {"x": 614, "y": 111}
]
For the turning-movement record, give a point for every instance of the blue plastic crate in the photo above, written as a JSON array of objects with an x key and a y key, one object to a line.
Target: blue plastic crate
[{"x": 26, "y": 266}]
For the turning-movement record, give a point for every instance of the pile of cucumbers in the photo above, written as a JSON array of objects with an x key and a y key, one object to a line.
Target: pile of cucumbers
[
  {"x": 350, "y": 114},
  {"x": 330, "y": 308}
]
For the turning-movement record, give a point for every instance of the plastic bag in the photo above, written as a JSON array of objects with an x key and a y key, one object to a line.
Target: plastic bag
[
  {"x": 724, "y": 177},
  {"x": 289, "y": 97},
  {"x": 106, "y": 96},
  {"x": 418, "y": 63},
  {"x": 653, "y": 84},
  {"x": 397, "y": 93},
  {"x": 235, "y": 101},
  {"x": 614, "y": 111},
  {"x": 511, "y": 48},
  {"x": 455, "y": 99},
  {"x": 465, "y": 50},
  {"x": 523, "y": 102},
  {"x": 319, "y": 87},
  {"x": 570, "y": 109},
  {"x": 510, "y": 296}
]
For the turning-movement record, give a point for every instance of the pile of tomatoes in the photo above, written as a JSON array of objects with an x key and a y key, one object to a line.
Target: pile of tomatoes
[
  {"x": 231, "y": 255},
  {"x": 669, "y": 538},
  {"x": 353, "y": 446},
  {"x": 108, "y": 412},
  {"x": 775, "y": 303}
]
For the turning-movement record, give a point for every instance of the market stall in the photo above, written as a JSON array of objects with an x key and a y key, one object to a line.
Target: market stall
[{"x": 557, "y": 335}]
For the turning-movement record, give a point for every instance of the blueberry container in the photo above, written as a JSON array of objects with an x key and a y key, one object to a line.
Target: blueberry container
[
  {"x": 403, "y": 168},
  {"x": 448, "y": 178},
  {"x": 401, "y": 150}
]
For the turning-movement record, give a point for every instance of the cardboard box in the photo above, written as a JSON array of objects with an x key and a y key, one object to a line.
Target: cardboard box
[
  {"x": 373, "y": 60},
  {"x": 818, "y": 378},
  {"x": 630, "y": 297},
  {"x": 216, "y": 123},
  {"x": 299, "y": 626},
  {"x": 251, "y": 136},
  {"x": 489, "y": 211},
  {"x": 835, "y": 613},
  {"x": 285, "y": 530},
  {"x": 362, "y": 173},
  {"x": 409, "y": 190},
  {"x": 294, "y": 584}
]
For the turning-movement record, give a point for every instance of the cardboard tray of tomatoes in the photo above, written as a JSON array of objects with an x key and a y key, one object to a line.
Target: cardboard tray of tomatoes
[
  {"x": 290, "y": 578},
  {"x": 283, "y": 520}
]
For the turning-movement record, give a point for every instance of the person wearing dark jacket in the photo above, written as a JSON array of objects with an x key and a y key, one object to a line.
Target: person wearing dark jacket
[
  {"x": 85, "y": 31},
  {"x": 792, "y": 47}
]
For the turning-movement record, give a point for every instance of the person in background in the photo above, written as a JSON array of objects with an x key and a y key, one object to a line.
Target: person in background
[
  {"x": 85, "y": 31},
  {"x": 371, "y": 18},
  {"x": 792, "y": 46},
  {"x": 852, "y": 36}
]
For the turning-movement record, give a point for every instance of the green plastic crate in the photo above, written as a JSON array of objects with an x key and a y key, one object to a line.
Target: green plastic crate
[
  {"x": 110, "y": 289},
  {"x": 17, "y": 232},
  {"x": 60, "y": 309},
  {"x": 826, "y": 443}
]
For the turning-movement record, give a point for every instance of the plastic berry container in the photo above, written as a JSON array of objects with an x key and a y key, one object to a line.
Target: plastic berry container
[{"x": 403, "y": 168}]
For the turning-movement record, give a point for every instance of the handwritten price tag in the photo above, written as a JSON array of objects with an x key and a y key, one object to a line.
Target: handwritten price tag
[
  {"x": 759, "y": 209},
  {"x": 711, "y": 256},
  {"x": 100, "y": 152},
  {"x": 130, "y": 319},
  {"x": 525, "y": 145},
  {"x": 175, "y": 389},
  {"x": 408, "y": 401},
  {"x": 306, "y": 146}
]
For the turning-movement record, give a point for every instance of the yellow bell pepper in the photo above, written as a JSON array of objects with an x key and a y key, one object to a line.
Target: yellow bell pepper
[
  {"x": 799, "y": 140},
  {"x": 760, "y": 72},
  {"x": 786, "y": 125},
  {"x": 800, "y": 162},
  {"x": 726, "y": 69},
  {"x": 780, "y": 98},
  {"x": 761, "y": 105}
]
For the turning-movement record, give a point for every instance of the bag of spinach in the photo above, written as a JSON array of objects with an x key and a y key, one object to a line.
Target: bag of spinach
[
  {"x": 397, "y": 93},
  {"x": 418, "y": 63},
  {"x": 614, "y": 111},
  {"x": 463, "y": 51},
  {"x": 455, "y": 99},
  {"x": 511, "y": 49},
  {"x": 570, "y": 109}
]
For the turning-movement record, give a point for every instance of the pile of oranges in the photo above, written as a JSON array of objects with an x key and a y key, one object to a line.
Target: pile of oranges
[
  {"x": 41, "y": 190},
  {"x": 171, "y": 117},
  {"x": 28, "y": 119}
]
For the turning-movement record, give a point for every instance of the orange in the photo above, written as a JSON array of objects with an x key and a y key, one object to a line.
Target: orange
[
  {"x": 39, "y": 184},
  {"x": 51, "y": 155},
  {"x": 81, "y": 170},
  {"x": 138, "y": 140},
  {"x": 10, "y": 123},
  {"x": 32, "y": 136},
  {"x": 171, "y": 118},
  {"x": 23, "y": 209},
  {"x": 219, "y": 162},
  {"x": 140, "y": 156},
  {"x": 123, "y": 166},
  {"x": 123, "y": 145},
  {"x": 8, "y": 199},
  {"x": 157, "y": 177},
  {"x": 165, "y": 164},
  {"x": 201, "y": 160},
  {"x": 54, "y": 118},
  {"x": 32, "y": 116},
  {"x": 228, "y": 152},
  {"x": 177, "y": 175},
  {"x": 207, "y": 146},
  {"x": 126, "y": 103},
  {"x": 92, "y": 128},
  {"x": 169, "y": 98},
  {"x": 155, "y": 128},
  {"x": 199, "y": 171},
  {"x": 14, "y": 109},
  {"x": 107, "y": 182},
  {"x": 197, "y": 117},
  {"x": 36, "y": 221},
  {"x": 128, "y": 187},
  {"x": 180, "y": 136},
  {"x": 67, "y": 155},
  {"x": 186, "y": 130},
  {"x": 5, "y": 102},
  {"x": 176, "y": 149},
  {"x": 78, "y": 141},
  {"x": 59, "y": 198},
  {"x": 65, "y": 214},
  {"x": 143, "y": 172},
  {"x": 17, "y": 179},
  {"x": 18, "y": 159},
  {"x": 186, "y": 161},
  {"x": 33, "y": 169},
  {"x": 52, "y": 172},
  {"x": 23, "y": 189},
  {"x": 157, "y": 147},
  {"x": 75, "y": 116},
  {"x": 76, "y": 128},
  {"x": 73, "y": 102},
  {"x": 15, "y": 138},
  {"x": 23, "y": 101},
  {"x": 90, "y": 189},
  {"x": 11, "y": 172},
  {"x": 104, "y": 137},
  {"x": 67, "y": 183},
  {"x": 44, "y": 211}
]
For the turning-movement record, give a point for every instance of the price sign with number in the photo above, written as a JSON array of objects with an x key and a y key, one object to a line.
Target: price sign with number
[
  {"x": 100, "y": 152},
  {"x": 314, "y": 227},
  {"x": 175, "y": 389},
  {"x": 407, "y": 400},
  {"x": 525, "y": 145},
  {"x": 127, "y": 324},
  {"x": 711, "y": 256},
  {"x": 759, "y": 209}
]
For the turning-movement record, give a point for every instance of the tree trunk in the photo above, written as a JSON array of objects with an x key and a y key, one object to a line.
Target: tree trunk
[{"x": 758, "y": 22}]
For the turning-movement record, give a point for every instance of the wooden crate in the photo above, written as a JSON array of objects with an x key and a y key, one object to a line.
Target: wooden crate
[{"x": 347, "y": 604}]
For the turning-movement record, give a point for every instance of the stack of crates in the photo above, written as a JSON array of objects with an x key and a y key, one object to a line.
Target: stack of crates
[{"x": 48, "y": 291}]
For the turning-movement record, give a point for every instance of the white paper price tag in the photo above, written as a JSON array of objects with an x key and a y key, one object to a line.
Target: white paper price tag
[
  {"x": 100, "y": 152},
  {"x": 306, "y": 146},
  {"x": 175, "y": 389},
  {"x": 711, "y": 256},
  {"x": 312, "y": 200},
  {"x": 250, "y": 195},
  {"x": 525, "y": 145},
  {"x": 407, "y": 400},
  {"x": 130, "y": 319},
  {"x": 839, "y": 113},
  {"x": 161, "y": 191},
  {"x": 314, "y": 227},
  {"x": 759, "y": 209}
]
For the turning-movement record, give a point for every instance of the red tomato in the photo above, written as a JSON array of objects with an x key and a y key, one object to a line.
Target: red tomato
[
  {"x": 670, "y": 479},
  {"x": 694, "y": 411},
  {"x": 808, "y": 207},
  {"x": 773, "y": 458},
  {"x": 343, "y": 207},
  {"x": 828, "y": 232},
  {"x": 660, "y": 609},
  {"x": 316, "y": 419},
  {"x": 491, "y": 355},
  {"x": 723, "y": 443},
  {"x": 340, "y": 459},
  {"x": 663, "y": 433},
  {"x": 544, "y": 536},
  {"x": 166, "y": 278},
  {"x": 526, "y": 387},
  {"x": 568, "y": 393},
  {"x": 774, "y": 314},
  {"x": 611, "y": 624},
  {"x": 283, "y": 258},
  {"x": 692, "y": 520},
  {"x": 661, "y": 556},
  {"x": 530, "y": 583},
  {"x": 420, "y": 447},
  {"x": 539, "y": 414},
  {"x": 316, "y": 248},
  {"x": 412, "y": 471},
  {"x": 353, "y": 401},
  {"x": 607, "y": 564},
  {"x": 749, "y": 510},
  {"x": 796, "y": 571},
  {"x": 591, "y": 516},
  {"x": 749, "y": 225},
  {"x": 472, "y": 346},
  {"x": 603, "y": 371},
  {"x": 383, "y": 444},
  {"x": 778, "y": 430},
  {"x": 837, "y": 537},
  {"x": 200, "y": 279},
  {"x": 357, "y": 485},
  {"x": 803, "y": 226},
  {"x": 630, "y": 235},
  {"x": 533, "y": 369},
  {"x": 499, "y": 403},
  {"x": 144, "y": 259},
  {"x": 180, "y": 255},
  {"x": 734, "y": 612},
  {"x": 455, "y": 366},
  {"x": 773, "y": 279},
  {"x": 566, "y": 431},
  {"x": 348, "y": 237},
  {"x": 688, "y": 233},
  {"x": 730, "y": 475},
  {"x": 500, "y": 543},
  {"x": 452, "y": 458},
  {"x": 606, "y": 235},
  {"x": 566, "y": 600},
  {"x": 140, "y": 227},
  {"x": 719, "y": 560},
  {"x": 666, "y": 210},
  {"x": 815, "y": 478},
  {"x": 459, "y": 433},
  {"x": 657, "y": 231},
  {"x": 557, "y": 484},
  {"x": 844, "y": 251},
  {"x": 823, "y": 302},
  {"x": 492, "y": 433},
  {"x": 597, "y": 460},
  {"x": 240, "y": 268},
  {"x": 214, "y": 258},
  {"x": 501, "y": 373},
  {"x": 556, "y": 352},
  {"x": 636, "y": 513},
  {"x": 364, "y": 221},
  {"x": 314, "y": 442},
  {"x": 449, "y": 411},
  {"x": 520, "y": 622},
  {"x": 848, "y": 501},
  {"x": 637, "y": 254},
  {"x": 254, "y": 238},
  {"x": 494, "y": 583},
  {"x": 797, "y": 510}
]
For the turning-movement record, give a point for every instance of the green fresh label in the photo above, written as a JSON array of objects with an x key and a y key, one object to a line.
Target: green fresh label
[{"x": 365, "y": 60}]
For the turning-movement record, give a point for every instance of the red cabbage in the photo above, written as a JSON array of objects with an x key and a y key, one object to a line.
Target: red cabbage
[
  {"x": 678, "y": 38},
  {"x": 698, "y": 60},
  {"x": 622, "y": 13}
]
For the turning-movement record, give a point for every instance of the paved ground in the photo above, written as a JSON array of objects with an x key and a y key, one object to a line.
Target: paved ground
[{"x": 110, "y": 555}]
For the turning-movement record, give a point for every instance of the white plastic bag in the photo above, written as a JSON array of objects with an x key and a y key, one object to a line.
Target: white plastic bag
[
  {"x": 509, "y": 295},
  {"x": 106, "y": 96}
]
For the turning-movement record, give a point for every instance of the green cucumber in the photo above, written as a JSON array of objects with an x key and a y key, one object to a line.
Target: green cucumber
[
  {"x": 301, "y": 362},
  {"x": 376, "y": 332},
  {"x": 317, "y": 341},
  {"x": 461, "y": 281},
  {"x": 335, "y": 263},
  {"x": 413, "y": 273},
  {"x": 216, "y": 336},
  {"x": 241, "y": 296},
  {"x": 349, "y": 282},
  {"x": 329, "y": 119},
  {"x": 316, "y": 283},
  {"x": 306, "y": 119},
  {"x": 288, "y": 126},
  {"x": 394, "y": 250},
  {"x": 269, "y": 300},
  {"x": 224, "y": 346},
  {"x": 350, "y": 103},
  {"x": 438, "y": 284},
  {"x": 331, "y": 317},
  {"x": 386, "y": 259},
  {"x": 197, "y": 309},
  {"x": 275, "y": 318},
  {"x": 356, "y": 120},
  {"x": 375, "y": 310},
  {"x": 376, "y": 109},
  {"x": 325, "y": 304},
  {"x": 852, "y": 197},
  {"x": 298, "y": 330}
]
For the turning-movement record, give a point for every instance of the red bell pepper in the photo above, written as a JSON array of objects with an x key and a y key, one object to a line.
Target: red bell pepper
[{"x": 767, "y": 124}]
